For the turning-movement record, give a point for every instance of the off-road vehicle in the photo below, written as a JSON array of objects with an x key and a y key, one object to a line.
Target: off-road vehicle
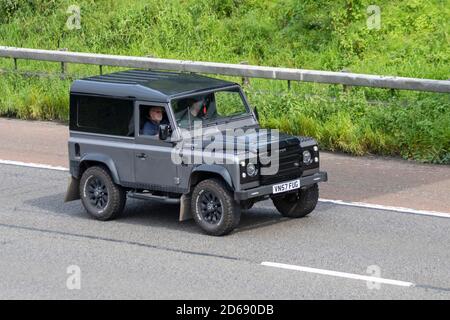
[{"x": 208, "y": 150}]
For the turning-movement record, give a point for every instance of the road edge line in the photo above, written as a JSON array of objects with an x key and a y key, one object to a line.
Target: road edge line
[
  {"x": 387, "y": 208},
  {"x": 32, "y": 165}
]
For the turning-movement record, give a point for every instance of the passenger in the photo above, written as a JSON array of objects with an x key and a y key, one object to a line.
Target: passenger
[{"x": 189, "y": 116}]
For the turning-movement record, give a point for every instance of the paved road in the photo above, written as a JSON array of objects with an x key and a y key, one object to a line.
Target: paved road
[
  {"x": 384, "y": 181},
  {"x": 149, "y": 254}
]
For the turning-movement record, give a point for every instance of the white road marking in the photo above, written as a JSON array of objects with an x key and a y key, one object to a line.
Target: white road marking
[
  {"x": 32, "y": 165},
  {"x": 338, "y": 274},
  {"x": 388, "y": 208},
  {"x": 338, "y": 202}
]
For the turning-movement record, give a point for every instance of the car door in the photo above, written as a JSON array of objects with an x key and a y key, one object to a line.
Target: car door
[{"x": 154, "y": 169}]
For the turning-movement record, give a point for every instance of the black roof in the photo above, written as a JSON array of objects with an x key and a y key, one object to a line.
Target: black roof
[{"x": 146, "y": 85}]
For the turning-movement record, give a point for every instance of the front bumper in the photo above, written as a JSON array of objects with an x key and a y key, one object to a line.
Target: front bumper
[{"x": 268, "y": 189}]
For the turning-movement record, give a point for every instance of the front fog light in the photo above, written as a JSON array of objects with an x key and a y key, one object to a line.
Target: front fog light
[
  {"x": 251, "y": 170},
  {"x": 307, "y": 157}
]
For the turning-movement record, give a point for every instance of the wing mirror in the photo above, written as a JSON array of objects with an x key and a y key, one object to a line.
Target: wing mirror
[{"x": 164, "y": 131}]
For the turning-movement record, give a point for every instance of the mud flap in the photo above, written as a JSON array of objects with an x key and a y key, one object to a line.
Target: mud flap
[
  {"x": 185, "y": 208},
  {"x": 73, "y": 192}
]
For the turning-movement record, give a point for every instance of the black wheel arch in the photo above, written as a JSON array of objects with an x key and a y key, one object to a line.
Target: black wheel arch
[
  {"x": 204, "y": 172},
  {"x": 90, "y": 160}
]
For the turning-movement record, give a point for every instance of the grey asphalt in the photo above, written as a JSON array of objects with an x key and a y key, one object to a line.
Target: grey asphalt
[{"x": 147, "y": 253}]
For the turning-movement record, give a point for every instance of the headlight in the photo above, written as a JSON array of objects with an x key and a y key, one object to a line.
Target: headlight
[
  {"x": 307, "y": 157},
  {"x": 251, "y": 170}
]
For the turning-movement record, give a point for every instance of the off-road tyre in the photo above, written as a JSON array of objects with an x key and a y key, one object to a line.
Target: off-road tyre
[
  {"x": 213, "y": 207},
  {"x": 298, "y": 204},
  {"x": 110, "y": 201}
]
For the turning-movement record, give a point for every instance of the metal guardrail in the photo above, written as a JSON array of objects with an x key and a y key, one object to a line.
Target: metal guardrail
[{"x": 238, "y": 70}]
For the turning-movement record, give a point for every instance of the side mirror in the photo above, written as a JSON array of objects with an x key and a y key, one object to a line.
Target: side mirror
[
  {"x": 255, "y": 111},
  {"x": 164, "y": 131}
]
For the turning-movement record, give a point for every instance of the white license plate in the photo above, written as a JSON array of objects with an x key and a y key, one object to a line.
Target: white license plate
[{"x": 286, "y": 186}]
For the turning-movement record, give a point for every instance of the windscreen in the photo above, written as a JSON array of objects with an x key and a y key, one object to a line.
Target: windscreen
[{"x": 209, "y": 108}]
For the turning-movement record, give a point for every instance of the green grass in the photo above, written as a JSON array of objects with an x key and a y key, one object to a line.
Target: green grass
[{"x": 313, "y": 34}]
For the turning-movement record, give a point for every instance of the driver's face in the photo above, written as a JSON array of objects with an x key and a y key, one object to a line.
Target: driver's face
[{"x": 156, "y": 114}]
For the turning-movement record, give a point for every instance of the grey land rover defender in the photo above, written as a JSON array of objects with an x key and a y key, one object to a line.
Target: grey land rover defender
[{"x": 204, "y": 149}]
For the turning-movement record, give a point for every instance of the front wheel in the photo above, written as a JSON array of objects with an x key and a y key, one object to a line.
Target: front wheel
[
  {"x": 213, "y": 207},
  {"x": 298, "y": 204}
]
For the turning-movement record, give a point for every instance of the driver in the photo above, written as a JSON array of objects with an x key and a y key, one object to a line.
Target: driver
[{"x": 154, "y": 119}]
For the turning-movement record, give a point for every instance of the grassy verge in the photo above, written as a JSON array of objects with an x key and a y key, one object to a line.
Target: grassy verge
[
  {"x": 326, "y": 35},
  {"x": 412, "y": 125}
]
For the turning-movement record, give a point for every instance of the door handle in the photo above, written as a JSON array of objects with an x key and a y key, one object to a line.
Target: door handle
[{"x": 141, "y": 156}]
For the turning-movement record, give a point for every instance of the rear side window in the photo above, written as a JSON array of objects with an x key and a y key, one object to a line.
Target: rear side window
[{"x": 102, "y": 115}]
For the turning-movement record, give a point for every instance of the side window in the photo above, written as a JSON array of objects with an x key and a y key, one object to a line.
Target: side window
[
  {"x": 150, "y": 117},
  {"x": 103, "y": 115}
]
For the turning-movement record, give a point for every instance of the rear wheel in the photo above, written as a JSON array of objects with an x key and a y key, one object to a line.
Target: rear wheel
[
  {"x": 214, "y": 208},
  {"x": 101, "y": 197},
  {"x": 298, "y": 204}
]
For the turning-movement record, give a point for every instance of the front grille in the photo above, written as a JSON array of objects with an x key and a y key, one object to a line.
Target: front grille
[{"x": 289, "y": 166}]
